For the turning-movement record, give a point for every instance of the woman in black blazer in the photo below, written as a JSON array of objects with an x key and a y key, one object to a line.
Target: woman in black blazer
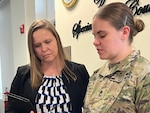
[{"x": 51, "y": 82}]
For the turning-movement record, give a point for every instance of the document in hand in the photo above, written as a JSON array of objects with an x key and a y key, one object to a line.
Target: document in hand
[{"x": 20, "y": 104}]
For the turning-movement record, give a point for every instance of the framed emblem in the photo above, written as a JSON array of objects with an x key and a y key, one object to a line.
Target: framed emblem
[{"x": 69, "y": 3}]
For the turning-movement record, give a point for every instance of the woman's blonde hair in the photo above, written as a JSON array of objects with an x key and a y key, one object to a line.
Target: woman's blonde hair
[{"x": 35, "y": 63}]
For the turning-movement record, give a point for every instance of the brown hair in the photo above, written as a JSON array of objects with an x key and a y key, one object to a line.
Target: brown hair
[
  {"x": 119, "y": 15},
  {"x": 35, "y": 63}
]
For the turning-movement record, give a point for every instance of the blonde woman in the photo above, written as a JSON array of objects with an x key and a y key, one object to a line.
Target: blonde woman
[{"x": 51, "y": 82}]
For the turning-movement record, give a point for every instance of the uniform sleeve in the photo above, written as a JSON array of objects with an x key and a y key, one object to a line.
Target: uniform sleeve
[{"x": 143, "y": 95}]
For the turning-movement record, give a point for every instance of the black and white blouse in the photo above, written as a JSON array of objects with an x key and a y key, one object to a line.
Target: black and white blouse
[{"x": 52, "y": 96}]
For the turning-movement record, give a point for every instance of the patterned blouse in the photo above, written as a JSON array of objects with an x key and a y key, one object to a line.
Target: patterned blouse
[
  {"x": 123, "y": 87},
  {"x": 52, "y": 96}
]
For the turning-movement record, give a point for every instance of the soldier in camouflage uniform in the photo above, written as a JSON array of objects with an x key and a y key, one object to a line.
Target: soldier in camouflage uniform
[{"x": 122, "y": 84}]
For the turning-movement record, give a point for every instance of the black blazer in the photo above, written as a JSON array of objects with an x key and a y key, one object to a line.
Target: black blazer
[{"x": 76, "y": 89}]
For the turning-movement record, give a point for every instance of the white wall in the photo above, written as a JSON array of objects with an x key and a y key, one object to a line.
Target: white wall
[
  {"x": 45, "y": 10},
  {"x": 24, "y": 14},
  {"x": 141, "y": 41},
  {"x": 83, "y": 50},
  {"x": 6, "y": 51}
]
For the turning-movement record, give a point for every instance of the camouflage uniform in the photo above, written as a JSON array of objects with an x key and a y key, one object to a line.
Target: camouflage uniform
[{"x": 123, "y": 87}]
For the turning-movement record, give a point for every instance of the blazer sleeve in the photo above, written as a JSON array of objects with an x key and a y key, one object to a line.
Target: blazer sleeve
[
  {"x": 85, "y": 78},
  {"x": 77, "y": 89},
  {"x": 16, "y": 86}
]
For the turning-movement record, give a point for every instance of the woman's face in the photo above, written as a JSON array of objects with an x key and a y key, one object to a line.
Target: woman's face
[
  {"x": 45, "y": 46},
  {"x": 107, "y": 40}
]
